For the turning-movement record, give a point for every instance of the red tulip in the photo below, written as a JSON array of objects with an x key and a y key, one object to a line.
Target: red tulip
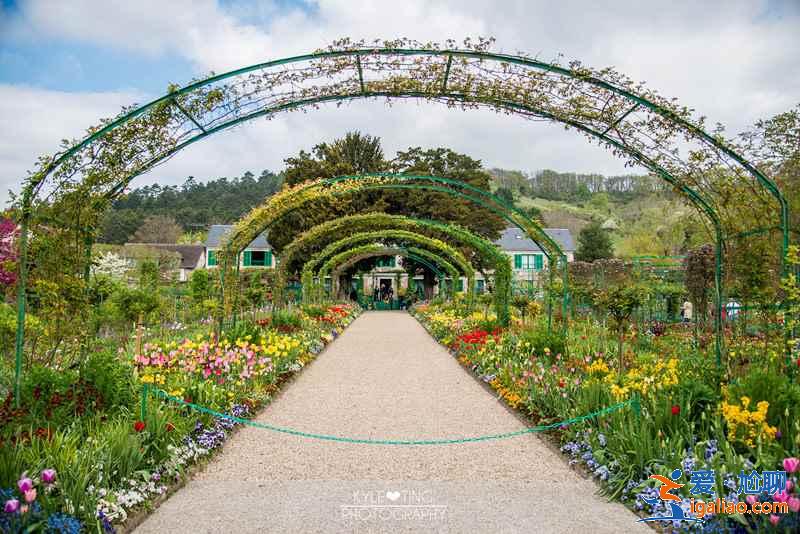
[
  {"x": 138, "y": 426},
  {"x": 676, "y": 409}
]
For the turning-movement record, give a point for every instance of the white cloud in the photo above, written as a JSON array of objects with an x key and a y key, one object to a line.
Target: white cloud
[
  {"x": 34, "y": 121},
  {"x": 732, "y": 60}
]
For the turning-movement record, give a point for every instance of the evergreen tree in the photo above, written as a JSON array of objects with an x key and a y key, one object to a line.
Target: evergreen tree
[{"x": 594, "y": 243}]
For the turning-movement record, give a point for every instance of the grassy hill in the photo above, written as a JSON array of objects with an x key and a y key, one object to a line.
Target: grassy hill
[{"x": 642, "y": 221}]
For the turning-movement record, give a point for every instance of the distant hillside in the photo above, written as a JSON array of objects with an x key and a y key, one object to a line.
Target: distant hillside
[
  {"x": 643, "y": 215},
  {"x": 193, "y": 205}
]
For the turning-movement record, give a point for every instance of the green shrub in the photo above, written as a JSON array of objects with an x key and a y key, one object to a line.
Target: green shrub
[
  {"x": 540, "y": 339},
  {"x": 286, "y": 320},
  {"x": 242, "y": 330},
  {"x": 111, "y": 377},
  {"x": 8, "y": 327},
  {"x": 314, "y": 311}
]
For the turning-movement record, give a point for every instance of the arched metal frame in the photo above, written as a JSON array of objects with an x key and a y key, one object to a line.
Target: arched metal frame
[
  {"x": 288, "y": 201},
  {"x": 420, "y": 241},
  {"x": 605, "y": 105},
  {"x": 481, "y": 246},
  {"x": 345, "y": 259}
]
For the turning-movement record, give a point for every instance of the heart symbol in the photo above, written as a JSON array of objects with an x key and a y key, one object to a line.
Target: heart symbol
[{"x": 392, "y": 495}]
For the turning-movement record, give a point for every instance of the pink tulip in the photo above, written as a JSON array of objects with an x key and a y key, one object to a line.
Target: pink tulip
[
  {"x": 11, "y": 506},
  {"x": 49, "y": 476},
  {"x": 794, "y": 504},
  {"x": 25, "y": 484},
  {"x": 751, "y": 499},
  {"x": 774, "y": 519},
  {"x": 789, "y": 485},
  {"x": 30, "y": 495},
  {"x": 781, "y": 497},
  {"x": 791, "y": 464}
]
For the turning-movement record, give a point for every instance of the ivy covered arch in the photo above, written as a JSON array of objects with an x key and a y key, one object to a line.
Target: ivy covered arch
[
  {"x": 323, "y": 233},
  {"x": 288, "y": 200},
  {"x": 632, "y": 121},
  {"x": 421, "y": 242},
  {"x": 348, "y": 257}
]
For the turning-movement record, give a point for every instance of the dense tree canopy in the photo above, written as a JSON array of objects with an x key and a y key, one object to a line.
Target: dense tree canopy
[
  {"x": 193, "y": 205},
  {"x": 594, "y": 244},
  {"x": 357, "y": 153}
]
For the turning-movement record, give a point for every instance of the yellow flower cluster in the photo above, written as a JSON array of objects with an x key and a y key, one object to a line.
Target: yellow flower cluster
[
  {"x": 153, "y": 378},
  {"x": 512, "y": 398},
  {"x": 646, "y": 378},
  {"x": 745, "y": 426},
  {"x": 598, "y": 367}
]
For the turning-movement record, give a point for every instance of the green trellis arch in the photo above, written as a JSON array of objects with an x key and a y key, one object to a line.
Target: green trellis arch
[
  {"x": 419, "y": 240},
  {"x": 632, "y": 121},
  {"x": 322, "y": 233},
  {"x": 287, "y": 201},
  {"x": 353, "y": 255}
]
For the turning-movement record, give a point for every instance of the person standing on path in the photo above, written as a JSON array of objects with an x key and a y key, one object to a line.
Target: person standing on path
[{"x": 686, "y": 311}]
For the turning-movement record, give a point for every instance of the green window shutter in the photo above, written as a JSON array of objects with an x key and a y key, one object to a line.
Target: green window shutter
[
  {"x": 392, "y": 261},
  {"x": 538, "y": 262},
  {"x": 248, "y": 258},
  {"x": 268, "y": 259},
  {"x": 460, "y": 285},
  {"x": 518, "y": 261},
  {"x": 212, "y": 258}
]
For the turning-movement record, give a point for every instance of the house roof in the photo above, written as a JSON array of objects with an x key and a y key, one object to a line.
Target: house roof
[
  {"x": 513, "y": 238},
  {"x": 190, "y": 254},
  {"x": 218, "y": 231}
]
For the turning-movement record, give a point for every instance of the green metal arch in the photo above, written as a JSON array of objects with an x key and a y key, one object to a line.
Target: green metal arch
[
  {"x": 449, "y": 53},
  {"x": 34, "y": 185},
  {"x": 353, "y": 255},
  {"x": 483, "y": 247},
  {"x": 428, "y": 265},
  {"x": 419, "y": 240},
  {"x": 262, "y": 218}
]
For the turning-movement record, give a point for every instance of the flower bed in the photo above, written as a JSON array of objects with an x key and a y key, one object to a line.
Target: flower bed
[
  {"x": 687, "y": 420},
  {"x": 86, "y": 425}
]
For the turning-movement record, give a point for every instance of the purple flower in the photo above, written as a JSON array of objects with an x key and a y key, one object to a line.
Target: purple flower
[
  {"x": 49, "y": 476},
  {"x": 25, "y": 484},
  {"x": 11, "y": 506}
]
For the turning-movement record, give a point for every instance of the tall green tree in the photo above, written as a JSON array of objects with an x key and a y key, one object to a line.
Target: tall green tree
[
  {"x": 356, "y": 154},
  {"x": 594, "y": 243}
]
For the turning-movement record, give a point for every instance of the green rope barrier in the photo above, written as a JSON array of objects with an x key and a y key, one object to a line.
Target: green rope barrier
[{"x": 633, "y": 402}]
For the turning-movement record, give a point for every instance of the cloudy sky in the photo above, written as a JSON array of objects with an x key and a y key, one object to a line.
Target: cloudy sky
[{"x": 66, "y": 63}]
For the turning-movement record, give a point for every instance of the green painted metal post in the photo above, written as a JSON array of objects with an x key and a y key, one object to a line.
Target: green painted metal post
[
  {"x": 23, "y": 271},
  {"x": 235, "y": 310},
  {"x": 565, "y": 297},
  {"x": 636, "y": 404}
]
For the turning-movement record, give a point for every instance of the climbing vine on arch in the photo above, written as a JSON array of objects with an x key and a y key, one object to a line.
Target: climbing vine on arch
[
  {"x": 353, "y": 255},
  {"x": 402, "y": 236},
  {"x": 486, "y": 253}
]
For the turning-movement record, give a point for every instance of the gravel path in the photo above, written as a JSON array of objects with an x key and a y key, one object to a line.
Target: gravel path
[{"x": 387, "y": 378}]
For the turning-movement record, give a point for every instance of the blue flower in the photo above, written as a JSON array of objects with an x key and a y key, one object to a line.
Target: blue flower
[
  {"x": 108, "y": 528},
  {"x": 602, "y": 472},
  {"x": 63, "y": 524}
]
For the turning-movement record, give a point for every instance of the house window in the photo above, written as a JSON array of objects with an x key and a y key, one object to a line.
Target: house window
[
  {"x": 528, "y": 262},
  {"x": 386, "y": 261},
  {"x": 460, "y": 285},
  {"x": 480, "y": 286},
  {"x": 212, "y": 258},
  {"x": 257, "y": 258}
]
